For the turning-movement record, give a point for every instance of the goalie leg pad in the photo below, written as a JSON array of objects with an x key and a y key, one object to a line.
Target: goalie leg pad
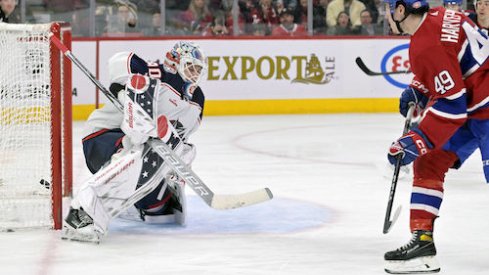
[{"x": 116, "y": 187}]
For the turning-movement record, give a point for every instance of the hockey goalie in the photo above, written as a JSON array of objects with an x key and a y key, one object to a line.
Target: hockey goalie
[{"x": 161, "y": 101}]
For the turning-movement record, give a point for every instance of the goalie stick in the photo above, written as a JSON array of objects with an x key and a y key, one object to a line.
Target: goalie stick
[
  {"x": 367, "y": 71},
  {"x": 388, "y": 222},
  {"x": 174, "y": 161}
]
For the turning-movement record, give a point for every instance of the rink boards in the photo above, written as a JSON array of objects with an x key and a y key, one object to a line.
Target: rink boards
[{"x": 269, "y": 76}]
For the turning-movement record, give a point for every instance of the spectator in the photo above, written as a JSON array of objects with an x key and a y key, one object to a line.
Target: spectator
[
  {"x": 244, "y": 17},
  {"x": 289, "y": 4},
  {"x": 217, "y": 5},
  {"x": 148, "y": 15},
  {"x": 380, "y": 8},
  {"x": 300, "y": 13},
  {"x": 319, "y": 17},
  {"x": 60, "y": 10},
  {"x": 279, "y": 5},
  {"x": 180, "y": 5},
  {"x": 351, "y": 7},
  {"x": 154, "y": 29},
  {"x": 6, "y": 9},
  {"x": 217, "y": 27},
  {"x": 196, "y": 17},
  {"x": 264, "y": 13},
  {"x": 343, "y": 25},
  {"x": 124, "y": 21},
  {"x": 80, "y": 23},
  {"x": 268, "y": 12},
  {"x": 367, "y": 28},
  {"x": 372, "y": 6},
  {"x": 259, "y": 29},
  {"x": 287, "y": 25}
]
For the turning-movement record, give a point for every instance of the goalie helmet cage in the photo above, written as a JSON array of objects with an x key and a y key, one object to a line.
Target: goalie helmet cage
[{"x": 35, "y": 125}]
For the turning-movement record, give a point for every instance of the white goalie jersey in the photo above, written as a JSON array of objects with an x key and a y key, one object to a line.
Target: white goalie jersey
[{"x": 185, "y": 115}]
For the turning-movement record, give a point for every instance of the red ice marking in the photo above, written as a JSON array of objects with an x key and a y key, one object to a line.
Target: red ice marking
[{"x": 138, "y": 82}]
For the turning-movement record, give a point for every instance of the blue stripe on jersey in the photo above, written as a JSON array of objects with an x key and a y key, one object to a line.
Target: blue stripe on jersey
[
  {"x": 455, "y": 107},
  {"x": 467, "y": 62},
  {"x": 138, "y": 65},
  {"x": 425, "y": 199}
]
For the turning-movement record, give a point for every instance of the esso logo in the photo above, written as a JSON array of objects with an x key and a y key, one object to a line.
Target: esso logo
[{"x": 395, "y": 60}]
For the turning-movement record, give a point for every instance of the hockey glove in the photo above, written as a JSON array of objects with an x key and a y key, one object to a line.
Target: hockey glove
[
  {"x": 409, "y": 147},
  {"x": 412, "y": 95}
]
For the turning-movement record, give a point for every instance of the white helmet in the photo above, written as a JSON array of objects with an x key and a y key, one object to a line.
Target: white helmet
[{"x": 190, "y": 61}]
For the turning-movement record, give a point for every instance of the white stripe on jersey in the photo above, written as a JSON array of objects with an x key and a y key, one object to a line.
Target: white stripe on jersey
[
  {"x": 470, "y": 71},
  {"x": 424, "y": 207},
  {"x": 462, "y": 50},
  {"x": 456, "y": 95},
  {"x": 478, "y": 105}
]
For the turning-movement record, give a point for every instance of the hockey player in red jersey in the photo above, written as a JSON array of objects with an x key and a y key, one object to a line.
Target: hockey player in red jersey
[{"x": 448, "y": 54}]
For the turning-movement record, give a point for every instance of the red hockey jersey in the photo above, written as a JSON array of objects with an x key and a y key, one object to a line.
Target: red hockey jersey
[{"x": 448, "y": 54}]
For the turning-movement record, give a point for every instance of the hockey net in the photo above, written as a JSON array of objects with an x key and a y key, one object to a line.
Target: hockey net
[{"x": 35, "y": 126}]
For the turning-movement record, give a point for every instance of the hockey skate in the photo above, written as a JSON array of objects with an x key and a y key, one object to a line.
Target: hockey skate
[
  {"x": 175, "y": 210},
  {"x": 172, "y": 212},
  {"x": 179, "y": 199},
  {"x": 79, "y": 226},
  {"x": 417, "y": 256}
]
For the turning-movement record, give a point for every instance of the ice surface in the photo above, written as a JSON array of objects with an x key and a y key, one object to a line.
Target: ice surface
[{"x": 330, "y": 181}]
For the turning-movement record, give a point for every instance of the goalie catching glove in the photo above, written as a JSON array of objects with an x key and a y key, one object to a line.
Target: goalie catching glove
[{"x": 409, "y": 147}]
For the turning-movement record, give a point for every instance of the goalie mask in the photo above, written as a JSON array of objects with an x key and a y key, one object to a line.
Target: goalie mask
[{"x": 188, "y": 60}]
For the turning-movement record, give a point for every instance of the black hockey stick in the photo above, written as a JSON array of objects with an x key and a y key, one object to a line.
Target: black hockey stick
[
  {"x": 174, "y": 161},
  {"x": 388, "y": 222},
  {"x": 367, "y": 71}
]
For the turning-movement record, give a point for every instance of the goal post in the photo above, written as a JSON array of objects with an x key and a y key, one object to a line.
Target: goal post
[{"x": 35, "y": 125}]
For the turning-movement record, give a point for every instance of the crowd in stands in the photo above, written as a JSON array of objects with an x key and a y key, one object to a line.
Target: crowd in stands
[
  {"x": 277, "y": 17},
  {"x": 213, "y": 17}
]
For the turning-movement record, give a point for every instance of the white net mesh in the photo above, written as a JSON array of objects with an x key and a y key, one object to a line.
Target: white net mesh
[{"x": 25, "y": 129}]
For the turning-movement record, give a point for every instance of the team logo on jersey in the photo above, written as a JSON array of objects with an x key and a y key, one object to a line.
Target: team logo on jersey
[{"x": 138, "y": 83}]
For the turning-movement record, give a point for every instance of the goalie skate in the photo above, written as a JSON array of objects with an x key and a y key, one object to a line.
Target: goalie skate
[
  {"x": 418, "y": 256},
  {"x": 78, "y": 226},
  {"x": 174, "y": 211}
]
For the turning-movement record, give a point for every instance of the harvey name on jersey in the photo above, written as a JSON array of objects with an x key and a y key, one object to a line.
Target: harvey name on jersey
[{"x": 450, "y": 26}]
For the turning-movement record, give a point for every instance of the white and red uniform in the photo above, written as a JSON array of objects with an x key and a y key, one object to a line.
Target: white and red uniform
[
  {"x": 446, "y": 61},
  {"x": 448, "y": 54}
]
